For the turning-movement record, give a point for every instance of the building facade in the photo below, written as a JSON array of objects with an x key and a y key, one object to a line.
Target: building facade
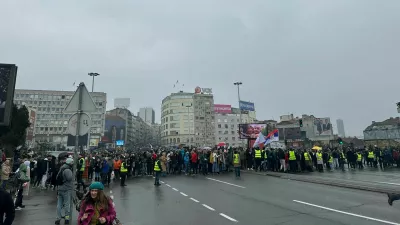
[
  {"x": 227, "y": 125},
  {"x": 147, "y": 114},
  {"x": 188, "y": 118},
  {"x": 383, "y": 134},
  {"x": 340, "y": 128},
  {"x": 50, "y": 122}
]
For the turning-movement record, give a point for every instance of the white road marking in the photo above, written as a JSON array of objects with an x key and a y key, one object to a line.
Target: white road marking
[
  {"x": 225, "y": 182},
  {"x": 397, "y": 184},
  {"x": 168, "y": 185},
  {"x": 347, "y": 213},
  {"x": 208, "y": 207},
  {"x": 154, "y": 177},
  {"x": 229, "y": 218},
  {"x": 184, "y": 194},
  {"x": 162, "y": 182},
  {"x": 194, "y": 200},
  {"x": 110, "y": 191},
  {"x": 175, "y": 189}
]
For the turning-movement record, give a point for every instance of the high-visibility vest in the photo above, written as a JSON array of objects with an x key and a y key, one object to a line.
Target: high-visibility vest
[
  {"x": 359, "y": 157},
  {"x": 82, "y": 161},
  {"x": 371, "y": 155},
  {"x": 319, "y": 156},
  {"x": 123, "y": 168},
  {"x": 292, "y": 155},
  {"x": 306, "y": 156},
  {"x": 257, "y": 154},
  {"x": 330, "y": 159},
  {"x": 236, "y": 158},
  {"x": 156, "y": 167}
]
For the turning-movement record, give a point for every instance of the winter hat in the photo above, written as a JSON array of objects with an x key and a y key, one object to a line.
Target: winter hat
[
  {"x": 97, "y": 186},
  {"x": 69, "y": 161}
]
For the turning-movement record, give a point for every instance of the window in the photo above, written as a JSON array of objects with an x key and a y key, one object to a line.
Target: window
[
  {"x": 225, "y": 120},
  {"x": 226, "y": 126},
  {"x": 219, "y": 125},
  {"x": 233, "y": 138},
  {"x": 220, "y": 132},
  {"x": 232, "y": 126},
  {"x": 219, "y": 120}
]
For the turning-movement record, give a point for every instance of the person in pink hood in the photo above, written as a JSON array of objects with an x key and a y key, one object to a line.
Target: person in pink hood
[{"x": 96, "y": 207}]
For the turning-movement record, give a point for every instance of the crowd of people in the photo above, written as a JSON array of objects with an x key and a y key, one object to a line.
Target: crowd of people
[{"x": 103, "y": 167}]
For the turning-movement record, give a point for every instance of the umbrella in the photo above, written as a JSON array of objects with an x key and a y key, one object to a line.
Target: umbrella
[
  {"x": 207, "y": 148},
  {"x": 316, "y": 148}
]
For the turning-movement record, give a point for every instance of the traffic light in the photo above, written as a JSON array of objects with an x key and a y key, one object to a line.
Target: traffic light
[
  {"x": 301, "y": 122},
  {"x": 340, "y": 141}
]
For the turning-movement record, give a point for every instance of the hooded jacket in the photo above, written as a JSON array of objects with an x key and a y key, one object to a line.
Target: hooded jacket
[
  {"x": 67, "y": 176},
  {"x": 5, "y": 171},
  {"x": 22, "y": 171}
]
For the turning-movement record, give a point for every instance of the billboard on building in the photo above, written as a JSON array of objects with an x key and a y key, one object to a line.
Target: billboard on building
[
  {"x": 94, "y": 142},
  {"x": 115, "y": 128},
  {"x": 222, "y": 109},
  {"x": 8, "y": 75},
  {"x": 122, "y": 103},
  {"x": 323, "y": 126},
  {"x": 251, "y": 130},
  {"x": 292, "y": 133},
  {"x": 31, "y": 129},
  {"x": 246, "y": 106}
]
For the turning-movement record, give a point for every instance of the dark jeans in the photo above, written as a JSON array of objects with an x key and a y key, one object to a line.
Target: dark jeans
[
  {"x": 237, "y": 171},
  {"x": 194, "y": 168},
  {"x": 18, "y": 201},
  {"x": 157, "y": 179},
  {"x": 79, "y": 180},
  {"x": 123, "y": 178}
]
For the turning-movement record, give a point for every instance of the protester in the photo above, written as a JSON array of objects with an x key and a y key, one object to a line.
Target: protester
[
  {"x": 22, "y": 181},
  {"x": 7, "y": 209},
  {"x": 65, "y": 188},
  {"x": 5, "y": 173},
  {"x": 96, "y": 207}
]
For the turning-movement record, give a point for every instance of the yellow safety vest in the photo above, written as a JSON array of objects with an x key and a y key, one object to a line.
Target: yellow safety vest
[
  {"x": 83, "y": 164},
  {"x": 359, "y": 157},
  {"x": 306, "y": 157},
  {"x": 257, "y": 154},
  {"x": 236, "y": 158},
  {"x": 330, "y": 159},
  {"x": 319, "y": 156},
  {"x": 292, "y": 155},
  {"x": 156, "y": 167},
  {"x": 123, "y": 168},
  {"x": 371, "y": 155}
]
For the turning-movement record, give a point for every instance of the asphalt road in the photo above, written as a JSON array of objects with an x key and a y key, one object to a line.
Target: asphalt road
[{"x": 222, "y": 199}]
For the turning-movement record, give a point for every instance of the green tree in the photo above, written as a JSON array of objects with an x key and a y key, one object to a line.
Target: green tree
[{"x": 15, "y": 134}]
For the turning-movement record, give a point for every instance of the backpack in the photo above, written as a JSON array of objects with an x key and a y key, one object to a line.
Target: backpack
[{"x": 60, "y": 177}]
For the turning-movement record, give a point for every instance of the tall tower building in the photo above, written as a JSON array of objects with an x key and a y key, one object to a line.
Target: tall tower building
[
  {"x": 147, "y": 114},
  {"x": 340, "y": 128}
]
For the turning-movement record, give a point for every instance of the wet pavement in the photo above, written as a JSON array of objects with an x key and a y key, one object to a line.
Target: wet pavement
[{"x": 223, "y": 199}]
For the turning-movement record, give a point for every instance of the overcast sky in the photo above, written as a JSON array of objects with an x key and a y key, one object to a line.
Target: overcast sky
[{"x": 337, "y": 58}]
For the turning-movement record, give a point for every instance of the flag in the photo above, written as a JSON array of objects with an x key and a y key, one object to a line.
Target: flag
[
  {"x": 272, "y": 136},
  {"x": 73, "y": 83},
  {"x": 177, "y": 81},
  {"x": 174, "y": 85},
  {"x": 259, "y": 141}
]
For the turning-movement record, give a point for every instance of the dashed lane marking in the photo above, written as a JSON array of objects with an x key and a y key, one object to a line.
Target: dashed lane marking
[
  {"x": 208, "y": 207},
  {"x": 175, "y": 189},
  {"x": 347, "y": 213},
  {"x": 225, "y": 182},
  {"x": 229, "y": 218},
  {"x": 194, "y": 200},
  {"x": 397, "y": 184},
  {"x": 168, "y": 185},
  {"x": 162, "y": 182},
  {"x": 184, "y": 194}
]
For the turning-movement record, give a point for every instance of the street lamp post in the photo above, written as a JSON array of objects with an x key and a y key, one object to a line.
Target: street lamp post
[
  {"x": 188, "y": 108},
  {"x": 93, "y": 75},
  {"x": 240, "y": 111}
]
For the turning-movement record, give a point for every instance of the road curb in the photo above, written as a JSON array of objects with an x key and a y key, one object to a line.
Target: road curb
[{"x": 330, "y": 182}]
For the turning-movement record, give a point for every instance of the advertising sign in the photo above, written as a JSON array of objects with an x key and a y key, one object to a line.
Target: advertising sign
[
  {"x": 323, "y": 126},
  {"x": 8, "y": 75},
  {"x": 94, "y": 142},
  {"x": 199, "y": 90},
  {"x": 119, "y": 143},
  {"x": 222, "y": 109},
  {"x": 246, "y": 106},
  {"x": 251, "y": 130},
  {"x": 30, "y": 130},
  {"x": 115, "y": 128},
  {"x": 292, "y": 133}
]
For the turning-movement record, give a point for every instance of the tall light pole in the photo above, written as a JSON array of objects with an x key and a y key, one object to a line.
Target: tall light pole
[
  {"x": 240, "y": 111},
  {"x": 188, "y": 107},
  {"x": 93, "y": 75}
]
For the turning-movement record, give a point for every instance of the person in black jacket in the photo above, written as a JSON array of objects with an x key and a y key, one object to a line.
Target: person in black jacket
[{"x": 7, "y": 209}]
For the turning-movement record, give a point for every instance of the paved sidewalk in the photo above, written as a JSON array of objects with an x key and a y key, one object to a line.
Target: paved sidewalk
[{"x": 40, "y": 208}]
